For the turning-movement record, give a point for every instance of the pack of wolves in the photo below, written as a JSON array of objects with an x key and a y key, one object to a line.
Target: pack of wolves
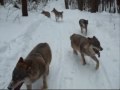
[
  {"x": 36, "y": 64},
  {"x": 58, "y": 14}
]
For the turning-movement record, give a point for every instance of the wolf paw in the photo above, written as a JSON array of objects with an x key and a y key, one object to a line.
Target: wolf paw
[{"x": 97, "y": 67}]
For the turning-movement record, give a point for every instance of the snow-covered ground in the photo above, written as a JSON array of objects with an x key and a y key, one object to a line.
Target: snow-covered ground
[{"x": 18, "y": 35}]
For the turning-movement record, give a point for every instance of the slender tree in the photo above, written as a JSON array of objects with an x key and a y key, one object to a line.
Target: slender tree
[
  {"x": 94, "y": 5},
  {"x": 80, "y": 4},
  {"x": 24, "y": 8},
  {"x": 110, "y": 3},
  {"x": 118, "y": 6},
  {"x": 66, "y": 4},
  {"x": 2, "y": 2}
]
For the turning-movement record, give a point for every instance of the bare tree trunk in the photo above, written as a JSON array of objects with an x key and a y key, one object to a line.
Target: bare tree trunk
[
  {"x": 24, "y": 8},
  {"x": 80, "y": 4},
  {"x": 94, "y": 5},
  {"x": 66, "y": 4},
  {"x": 110, "y": 6},
  {"x": 2, "y": 2},
  {"x": 114, "y": 11},
  {"x": 102, "y": 5},
  {"x": 118, "y": 6}
]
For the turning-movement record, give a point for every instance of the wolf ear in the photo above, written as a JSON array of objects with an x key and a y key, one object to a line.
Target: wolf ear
[
  {"x": 94, "y": 37},
  {"x": 21, "y": 60},
  {"x": 89, "y": 38}
]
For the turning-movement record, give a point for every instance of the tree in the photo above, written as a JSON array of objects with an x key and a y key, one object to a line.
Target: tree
[
  {"x": 2, "y": 2},
  {"x": 94, "y": 5},
  {"x": 24, "y": 8},
  {"x": 110, "y": 6},
  {"x": 80, "y": 4},
  {"x": 118, "y": 6},
  {"x": 66, "y": 4}
]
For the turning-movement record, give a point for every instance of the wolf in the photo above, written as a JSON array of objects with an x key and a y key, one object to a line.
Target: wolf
[
  {"x": 34, "y": 66},
  {"x": 57, "y": 14},
  {"x": 83, "y": 24},
  {"x": 46, "y": 13},
  {"x": 86, "y": 46}
]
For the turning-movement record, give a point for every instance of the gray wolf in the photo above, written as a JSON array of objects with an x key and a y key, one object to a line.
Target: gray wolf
[
  {"x": 83, "y": 24},
  {"x": 46, "y": 13},
  {"x": 57, "y": 14},
  {"x": 34, "y": 66},
  {"x": 86, "y": 46}
]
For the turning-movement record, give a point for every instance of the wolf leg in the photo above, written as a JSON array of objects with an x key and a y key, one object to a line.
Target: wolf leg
[
  {"x": 86, "y": 30},
  {"x": 47, "y": 69},
  {"x": 57, "y": 18},
  {"x": 61, "y": 17},
  {"x": 44, "y": 82},
  {"x": 29, "y": 87},
  {"x": 45, "y": 76},
  {"x": 96, "y": 60},
  {"x": 83, "y": 58}
]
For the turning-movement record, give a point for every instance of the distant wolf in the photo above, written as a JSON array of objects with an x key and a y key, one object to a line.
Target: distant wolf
[
  {"x": 34, "y": 66},
  {"x": 57, "y": 14},
  {"x": 46, "y": 13},
  {"x": 86, "y": 46},
  {"x": 83, "y": 24}
]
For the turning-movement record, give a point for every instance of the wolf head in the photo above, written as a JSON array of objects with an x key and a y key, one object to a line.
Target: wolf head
[
  {"x": 19, "y": 74},
  {"x": 95, "y": 44},
  {"x": 43, "y": 12},
  {"x": 83, "y": 21},
  {"x": 54, "y": 10}
]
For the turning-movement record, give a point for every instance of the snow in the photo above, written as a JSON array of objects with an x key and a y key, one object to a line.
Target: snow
[{"x": 18, "y": 35}]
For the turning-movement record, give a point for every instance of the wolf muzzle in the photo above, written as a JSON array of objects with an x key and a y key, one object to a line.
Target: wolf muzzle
[
  {"x": 15, "y": 85},
  {"x": 101, "y": 48},
  {"x": 10, "y": 86}
]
